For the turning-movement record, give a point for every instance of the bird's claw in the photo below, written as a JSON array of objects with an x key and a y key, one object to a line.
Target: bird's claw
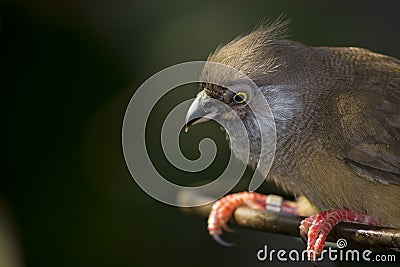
[
  {"x": 222, "y": 242},
  {"x": 226, "y": 228},
  {"x": 223, "y": 209},
  {"x": 316, "y": 228}
]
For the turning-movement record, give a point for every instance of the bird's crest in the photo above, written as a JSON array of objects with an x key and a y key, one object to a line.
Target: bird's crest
[{"x": 248, "y": 53}]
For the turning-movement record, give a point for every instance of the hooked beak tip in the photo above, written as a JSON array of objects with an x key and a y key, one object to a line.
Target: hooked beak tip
[
  {"x": 196, "y": 114},
  {"x": 195, "y": 121}
]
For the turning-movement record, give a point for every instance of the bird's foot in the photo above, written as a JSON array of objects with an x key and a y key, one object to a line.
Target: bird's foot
[
  {"x": 223, "y": 209},
  {"x": 316, "y": 228}
]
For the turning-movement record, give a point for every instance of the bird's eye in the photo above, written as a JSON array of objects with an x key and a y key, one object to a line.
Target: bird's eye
[{"x": 240, "y": 97}]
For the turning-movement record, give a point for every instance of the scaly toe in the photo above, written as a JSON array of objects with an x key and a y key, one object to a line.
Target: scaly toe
[{"x": 305, "y": 226}]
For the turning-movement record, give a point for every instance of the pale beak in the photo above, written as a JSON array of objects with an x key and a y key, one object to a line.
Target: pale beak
[{"x": 197, "y": 113}]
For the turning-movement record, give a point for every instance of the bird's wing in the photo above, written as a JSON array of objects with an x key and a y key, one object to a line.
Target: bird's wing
[{"x": 370, "y": 126}]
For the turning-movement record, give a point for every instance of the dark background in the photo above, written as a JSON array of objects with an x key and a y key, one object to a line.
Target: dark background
[{"x": 68, "y": 70}]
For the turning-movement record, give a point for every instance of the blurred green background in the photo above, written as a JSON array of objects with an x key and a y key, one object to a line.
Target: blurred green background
[{"x": 68, "y": 70}]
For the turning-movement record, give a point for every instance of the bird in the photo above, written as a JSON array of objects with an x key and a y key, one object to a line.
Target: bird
[{"x": 337, "y": 117}]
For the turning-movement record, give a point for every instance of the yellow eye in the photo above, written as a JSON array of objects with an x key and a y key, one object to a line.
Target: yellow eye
[{"x": 240, "y": 97}]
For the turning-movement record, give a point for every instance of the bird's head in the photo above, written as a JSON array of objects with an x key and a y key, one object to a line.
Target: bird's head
[
  {"x": 237, "y": 75},
  {"x": 247, "y": 86},
  {"x": 214, "y": 102}
]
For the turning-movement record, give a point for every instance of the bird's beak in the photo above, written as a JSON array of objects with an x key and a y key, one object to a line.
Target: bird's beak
[{"x": 197, "y": 113}]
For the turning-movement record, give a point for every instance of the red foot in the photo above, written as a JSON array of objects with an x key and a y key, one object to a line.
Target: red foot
[
  {"x": 222, "y": 210},
  {"x": 316, "y": 228}
]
